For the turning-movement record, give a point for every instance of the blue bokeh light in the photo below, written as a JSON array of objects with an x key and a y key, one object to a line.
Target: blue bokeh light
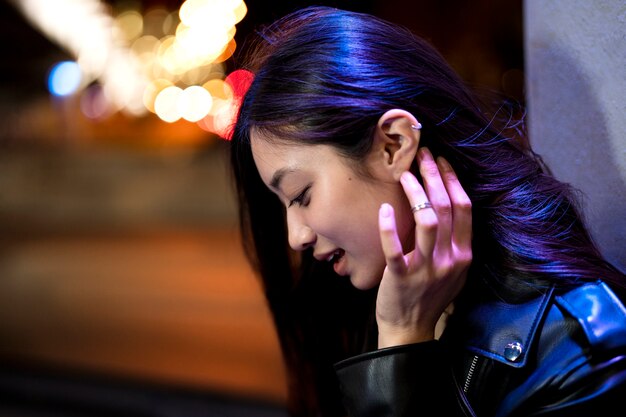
[{"x": 64, "y": 78}]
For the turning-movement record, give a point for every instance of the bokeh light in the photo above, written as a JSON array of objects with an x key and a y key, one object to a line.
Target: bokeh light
[
  {"x": 94, "y": 103},
  {"x": 239, "y": 80},
  {"x": 64, "y": 78},
  {"x": 227, "y": 95},
  {"x": 152, "y": 91},
  {"x": 167, "y": 62},
  {"x": 195, "y": 103},
  {"x": 166, "y": 104},
  {"x": 130, "y": 24}
]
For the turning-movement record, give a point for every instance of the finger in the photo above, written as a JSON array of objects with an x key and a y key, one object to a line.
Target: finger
[
  {"x": 438, "y": 197},
  {"x": 392, "y": 247},
  {"x": 425, "y": 219},
  {"x": 461, "y": 205}
]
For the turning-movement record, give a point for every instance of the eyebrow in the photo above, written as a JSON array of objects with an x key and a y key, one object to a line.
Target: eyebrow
[{"x": 278, "y": 177}]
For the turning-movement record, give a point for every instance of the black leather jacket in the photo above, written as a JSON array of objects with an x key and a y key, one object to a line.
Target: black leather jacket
[{"x": 556, "y": 355}]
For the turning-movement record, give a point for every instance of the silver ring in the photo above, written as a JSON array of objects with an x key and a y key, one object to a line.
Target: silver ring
[{"x": 418, "y": 207}]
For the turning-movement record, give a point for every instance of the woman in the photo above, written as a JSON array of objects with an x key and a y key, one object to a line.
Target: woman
[{"x": 417, "y": 257}]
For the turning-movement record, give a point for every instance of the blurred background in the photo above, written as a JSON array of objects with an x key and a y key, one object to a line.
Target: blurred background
[{"x": 123, "y": 288}]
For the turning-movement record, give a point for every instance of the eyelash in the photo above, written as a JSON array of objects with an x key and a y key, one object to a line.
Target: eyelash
[{"x": 300, "y": 199}]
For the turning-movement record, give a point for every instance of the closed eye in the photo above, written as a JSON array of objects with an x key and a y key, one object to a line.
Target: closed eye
[{"x": 302, "y": 199}]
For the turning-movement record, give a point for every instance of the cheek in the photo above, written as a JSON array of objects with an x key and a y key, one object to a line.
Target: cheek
[
  {"x": 345, "y": 217},
  {"x": 347, "y": 213},
  {"x": 360, "y": 231}
]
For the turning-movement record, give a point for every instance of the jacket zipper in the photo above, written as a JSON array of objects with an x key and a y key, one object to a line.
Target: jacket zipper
[{"x": 470, "y": 373}]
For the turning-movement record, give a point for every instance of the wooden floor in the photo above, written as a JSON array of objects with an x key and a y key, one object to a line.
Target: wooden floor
[{"x": 168, "y": 307}]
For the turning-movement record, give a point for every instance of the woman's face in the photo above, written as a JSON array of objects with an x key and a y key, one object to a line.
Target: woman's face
[{"x": 331, "y": 208}]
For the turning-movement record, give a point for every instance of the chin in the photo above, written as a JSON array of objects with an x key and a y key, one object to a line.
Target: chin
[{"x": 364, "y": 283}]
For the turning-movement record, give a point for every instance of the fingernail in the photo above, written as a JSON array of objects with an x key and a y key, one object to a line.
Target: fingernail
[
  {"x": 385, "y": 210},
  {"x": 443, "y": 164},
  {"x": 424, "y": 153}
]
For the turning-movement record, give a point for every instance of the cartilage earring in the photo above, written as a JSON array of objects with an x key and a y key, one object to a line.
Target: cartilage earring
[{"x": 417, "y": 126}]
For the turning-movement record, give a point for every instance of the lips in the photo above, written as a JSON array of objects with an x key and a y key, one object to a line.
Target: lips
[
  {"x": 335, "y": 256},
  {"x": 331, "y": 257},
  {"x": 339, "y": 263}
]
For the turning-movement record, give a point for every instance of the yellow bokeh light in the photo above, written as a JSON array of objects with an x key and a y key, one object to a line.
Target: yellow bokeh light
[
  {"x": 227, "y": 52},
  {"x": 219, "y": 89},
  {"x": 221, "y": 121},
  {"x": 166, "y": 55},
  {"x": 155, "y": 61},
  {"x": 130, "y": 23},
  {"x": 154, "y": 22},
  {"x": 145, "y": 49},
  {"x": 195, "y": 103},
  {"x": 202, "y": 44},
  {"x": 216, "y": 70},
  {"x": 198, "y": 13},
  {"x": 171, "y": 23},
  {"x": 166, "y": 104},
  {"x": 195, "y": 75},
  {"x": 152, "y": 91},
  {"x": 240, "y": 10},
  {"x": 145, "y": 44}
]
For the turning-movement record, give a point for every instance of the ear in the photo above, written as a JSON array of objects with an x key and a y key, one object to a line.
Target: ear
[{"x": 396, "y": 140}]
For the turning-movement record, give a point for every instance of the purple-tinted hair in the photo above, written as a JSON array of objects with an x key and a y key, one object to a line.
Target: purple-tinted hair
[{"x": 325, "y": 76}]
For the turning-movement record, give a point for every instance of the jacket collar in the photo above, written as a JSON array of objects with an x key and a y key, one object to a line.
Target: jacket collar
[{"x": 503, "y": 331}]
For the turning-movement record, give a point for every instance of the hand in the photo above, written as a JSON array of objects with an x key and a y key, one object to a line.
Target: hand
[{"x": 418, "y": 286}]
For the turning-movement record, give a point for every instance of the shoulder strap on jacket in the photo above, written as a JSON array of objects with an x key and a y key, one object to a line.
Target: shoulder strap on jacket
[{"x": 600, "y": 313}]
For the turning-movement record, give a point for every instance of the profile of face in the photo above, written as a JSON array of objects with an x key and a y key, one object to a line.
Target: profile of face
[{"x": 333, "y": 208}]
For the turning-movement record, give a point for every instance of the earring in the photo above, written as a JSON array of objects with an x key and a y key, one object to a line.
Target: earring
[{"x": 418, "y": 126}]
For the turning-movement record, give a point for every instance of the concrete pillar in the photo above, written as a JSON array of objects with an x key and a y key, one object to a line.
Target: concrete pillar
[{"x": 575, "y": 58}]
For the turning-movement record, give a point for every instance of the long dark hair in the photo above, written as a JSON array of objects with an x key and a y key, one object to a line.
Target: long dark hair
[{"x": 325, "y": 76}]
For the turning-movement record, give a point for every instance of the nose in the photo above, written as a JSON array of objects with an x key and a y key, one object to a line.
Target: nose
[{"x": 301, "y": 236}]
